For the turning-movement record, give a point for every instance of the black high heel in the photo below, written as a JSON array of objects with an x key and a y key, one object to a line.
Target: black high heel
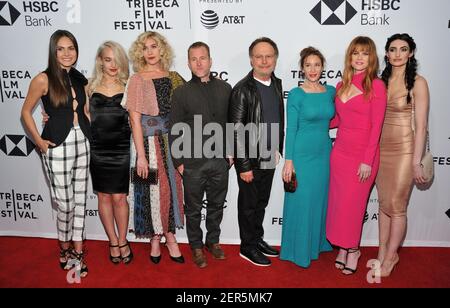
[
  {"x": 179, "y": 259},
  {"x": 64, "y": 253},
  {"x": 127, "y": 259},
  {"x": 79, "y": 263},
  {"x": 339, "y": 264},
  {"x": 155, "y": 259},
  {"x": 348, "y": 269},
  {"x": 114, "y": 259}
]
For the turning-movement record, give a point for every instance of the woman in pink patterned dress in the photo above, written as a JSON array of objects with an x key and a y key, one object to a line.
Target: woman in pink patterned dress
[
  {"x": 360, "y": 107},
  {"x": 157, "y": 207}
]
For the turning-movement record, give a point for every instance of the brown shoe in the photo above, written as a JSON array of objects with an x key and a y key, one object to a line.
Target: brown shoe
[
  {"x": 216, "y": 251},
  {"x": 199, "y": 258}
]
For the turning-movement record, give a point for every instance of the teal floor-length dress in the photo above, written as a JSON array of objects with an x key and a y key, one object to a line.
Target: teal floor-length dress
[{"x": 308, "y": 145}]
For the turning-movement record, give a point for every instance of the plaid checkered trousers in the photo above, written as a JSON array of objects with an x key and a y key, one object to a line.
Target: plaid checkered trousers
[{"x": 67, "y": 167}]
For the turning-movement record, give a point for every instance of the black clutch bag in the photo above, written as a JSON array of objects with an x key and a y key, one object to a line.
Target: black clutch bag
[
  {"x": 152, "y": 178},
  {"x": 292, "y": 185}
]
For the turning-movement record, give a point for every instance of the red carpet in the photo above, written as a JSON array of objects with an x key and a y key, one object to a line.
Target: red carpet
[{"x": 33, "y": 262}]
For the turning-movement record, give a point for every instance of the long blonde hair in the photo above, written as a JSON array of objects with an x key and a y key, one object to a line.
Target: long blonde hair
[
  {"x": 365, "y": 43},
  {"x": 136, "y": 51},
  {"x": 120, "y": 57}
]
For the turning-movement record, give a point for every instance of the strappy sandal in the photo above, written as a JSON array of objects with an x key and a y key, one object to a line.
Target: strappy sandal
[
  {"x": 348, "y": 269},
  {"x": 80, "y": 264},
  {"x": 114, "y": 259},
  {"x": 339, "y": 264},
  {"x": 127, "y": 259},
  {"x": 64, "y": 253}
]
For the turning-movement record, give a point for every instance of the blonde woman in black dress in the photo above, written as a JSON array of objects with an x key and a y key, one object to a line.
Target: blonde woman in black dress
[{"x": 110, "y": 148}]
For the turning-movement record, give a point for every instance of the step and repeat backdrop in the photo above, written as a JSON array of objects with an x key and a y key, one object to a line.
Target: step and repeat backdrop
[{"x": 228, "y": 26}]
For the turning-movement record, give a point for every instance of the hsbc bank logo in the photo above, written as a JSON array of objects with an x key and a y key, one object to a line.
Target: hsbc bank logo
[
  {"x": 38, "y": 13},
  {"x": 8, "y": 14},
  {"x": 333, "y": 12},
  {"x": 16, "y": 145}
]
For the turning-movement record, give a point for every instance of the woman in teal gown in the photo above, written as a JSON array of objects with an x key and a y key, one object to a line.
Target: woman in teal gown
[{"x": 308, "y": 145}]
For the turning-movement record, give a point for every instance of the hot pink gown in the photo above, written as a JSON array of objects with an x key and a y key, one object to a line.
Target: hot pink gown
[{"x": 359, "y": 122}]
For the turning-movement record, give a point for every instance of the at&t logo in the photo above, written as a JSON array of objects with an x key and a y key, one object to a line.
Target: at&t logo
[{"x": 210, "y": 19}]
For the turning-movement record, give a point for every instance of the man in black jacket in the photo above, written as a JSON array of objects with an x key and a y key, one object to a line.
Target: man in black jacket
[
  {"x": 201, "y": 103},
  {"x": 257, "y": 100}
]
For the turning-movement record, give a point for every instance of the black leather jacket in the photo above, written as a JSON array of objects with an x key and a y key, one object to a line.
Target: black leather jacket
[{"x": 245, "y": 107}]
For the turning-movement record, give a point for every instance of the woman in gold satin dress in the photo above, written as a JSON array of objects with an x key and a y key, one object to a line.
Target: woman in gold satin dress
[{"x": 401, "y": 149}]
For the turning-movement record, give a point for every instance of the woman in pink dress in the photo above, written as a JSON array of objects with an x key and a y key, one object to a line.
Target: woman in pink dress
[{"x": 360, "y": 107}]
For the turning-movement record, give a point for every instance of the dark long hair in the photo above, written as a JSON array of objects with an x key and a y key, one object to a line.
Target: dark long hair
[
  {"x": 411, "y": 66},
  {"x": 56, "y": 85}
]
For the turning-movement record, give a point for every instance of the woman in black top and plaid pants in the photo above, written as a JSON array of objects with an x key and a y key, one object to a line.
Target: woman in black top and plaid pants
[{"x": 64, "y": 142}]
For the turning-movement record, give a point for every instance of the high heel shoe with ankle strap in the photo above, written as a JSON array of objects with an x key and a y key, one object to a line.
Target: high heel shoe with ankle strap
[
  {"x": 114, "y": 259},
  {"x": 128, "y": 258},
  {"x": 64, "y": 254},
  {"x": 341, "y": 264},
  {"x": 351, "y": 271},
  {"x": 78, "y": 261},
  {"x": 155, "y": 259}
]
